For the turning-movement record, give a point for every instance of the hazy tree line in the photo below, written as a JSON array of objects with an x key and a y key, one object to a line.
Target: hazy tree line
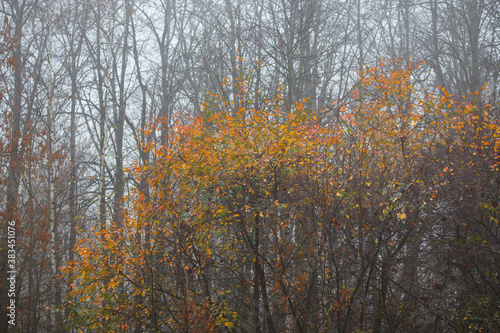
[{"x": 81, "y": 80}]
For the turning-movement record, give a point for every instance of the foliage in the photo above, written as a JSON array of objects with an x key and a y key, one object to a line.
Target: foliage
[{"x": 278, "y": 219}]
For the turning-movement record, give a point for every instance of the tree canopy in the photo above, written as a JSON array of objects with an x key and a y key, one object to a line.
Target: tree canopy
[{"x": 263, "y": 216}]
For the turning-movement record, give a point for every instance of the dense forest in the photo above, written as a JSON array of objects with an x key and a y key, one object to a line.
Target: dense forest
[{"x": 250, "y": 166}]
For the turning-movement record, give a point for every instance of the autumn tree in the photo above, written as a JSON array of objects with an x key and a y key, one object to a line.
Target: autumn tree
[
  {"x": 379, "y": 214},
  {"x": 269, "y": 220}
]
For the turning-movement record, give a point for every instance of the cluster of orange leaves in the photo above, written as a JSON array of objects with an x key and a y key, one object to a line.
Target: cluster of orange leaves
[{"x": 383, "y": 130}]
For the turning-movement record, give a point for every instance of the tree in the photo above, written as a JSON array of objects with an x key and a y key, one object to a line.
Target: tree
[
  {"x": 396, "y": 232},
  {"x": 271, "y": 220},
  {"x": 8, "y": 148}
]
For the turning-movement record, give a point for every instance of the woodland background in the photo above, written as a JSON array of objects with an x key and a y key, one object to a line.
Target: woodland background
[{"x": 254, "y": 166}]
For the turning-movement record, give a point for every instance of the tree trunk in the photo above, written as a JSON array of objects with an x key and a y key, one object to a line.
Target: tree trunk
[
  {"x": 119, "y": 124},
  {"x": 14, "y": 168}
]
